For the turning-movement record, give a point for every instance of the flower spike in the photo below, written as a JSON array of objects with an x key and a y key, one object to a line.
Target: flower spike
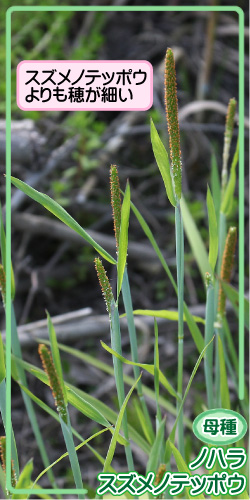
[
  {"x": 172, "y": 119},
  {"x": 104, "y": 284},
  {"x": 226, "y": 267},
  {"x": 115, "y": 201},
  {"x": 49, "y": 368},
  {"x": 227, "y": 140}
]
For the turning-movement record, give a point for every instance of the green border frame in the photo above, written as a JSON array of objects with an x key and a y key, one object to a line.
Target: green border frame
[{"x": 152, "y": 8}]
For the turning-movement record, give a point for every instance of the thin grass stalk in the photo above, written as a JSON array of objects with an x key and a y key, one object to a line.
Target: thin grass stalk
[
  {"x": 115, "y": 334},
  {"x": 69, "y": 441},
  {"x": 118, "y": 371},
  {"x": 222, "y": 239},
  {"x": 209, "y": 331},
  {"x": 126, "y": 295},
  {"x": 180, "y": 284},
  {"x": 171, "y": 104},
  {"x": 156, "y": 377}
]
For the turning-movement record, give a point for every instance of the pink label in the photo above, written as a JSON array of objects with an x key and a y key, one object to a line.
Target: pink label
[{"x": 84, "y": 85}]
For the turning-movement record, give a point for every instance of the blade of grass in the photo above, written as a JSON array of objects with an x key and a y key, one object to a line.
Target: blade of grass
[
  {"x": 209, "y": 331},
  {"x": 123, "y": 239},
  {"x": 162, "y": 161},
  {"x": 195, "y": 241},
  {"x": 142, "y": 421},
  {"x": 215, "y": 186},
  {"x": 53, "y": 207},
  {"x": 127, "y": 300},
  {"x": 182, "y": 467},
  {"x": 227, "y": 201},
  {"x": 2, "y": 360},
  {"x": 233, "y": 296},
  {"x": 66, "y": 455},
  {"x": 172, "y": 434},
  {"x": 113, "y": 441},
  {"x": 148, "y": 368},
  {"x": 3, "y": 254},
  {"x": 213, "y": 231},
  {"x": 157, "y": 376},
  {"x": 179, "y": 238},
  {"x": 154, "y": 459},
  {"x": 118, "y": 371},
  {"x": 224, "y": 391},
  {"x": 171, "y": 315},
  {"x": 68, "y": 438}
]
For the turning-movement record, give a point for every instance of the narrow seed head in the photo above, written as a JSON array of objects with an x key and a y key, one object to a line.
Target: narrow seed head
[
  {"x": 3, "y": 284},
  {"x": 104, "y": 284},
  {"x": 227, "y": 266},
  {"x": 115, "y": 201},
  {"x": 230, "y": 118},
  {"x": 171, "y": 104},
  {"x": 3, "y": 461},
  {"x": 227, "y": 142},
  {"x": 49, "y": 368},
  {"x": 160, "y": 473}
]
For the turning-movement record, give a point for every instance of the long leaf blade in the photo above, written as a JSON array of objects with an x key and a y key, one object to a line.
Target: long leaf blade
[
  {"x": 224, "y": 390},
  {"x": 182, "y": 467},
  {"x": 227, "y": 202},
  {"x": 162, "y": 313},
  {"x": 149, "y": 368},
  {"x": 213, "y": 231},
  {"x": 53, "y": 207},
  {"x": 123, "y": 239},
  {"x": 113, "y": 442},
  {"x": 194, "y": 239},
  {"x": 156, "y": 450},
  {"x": 162, "y": 161}
]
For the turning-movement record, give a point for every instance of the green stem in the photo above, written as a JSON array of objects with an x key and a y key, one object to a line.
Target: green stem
[
  {"x": 180, "y": 284},
  {"x": 208, "y": 358},
  {"x": 68, "y": 438},
  {"x": 118, "y": 371},
  {"x": 126, "y": 295},
  {"x": 222, "y": 239}
]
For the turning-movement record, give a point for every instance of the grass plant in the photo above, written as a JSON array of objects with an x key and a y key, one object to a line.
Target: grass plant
[{"x": 150, "y": 435}]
